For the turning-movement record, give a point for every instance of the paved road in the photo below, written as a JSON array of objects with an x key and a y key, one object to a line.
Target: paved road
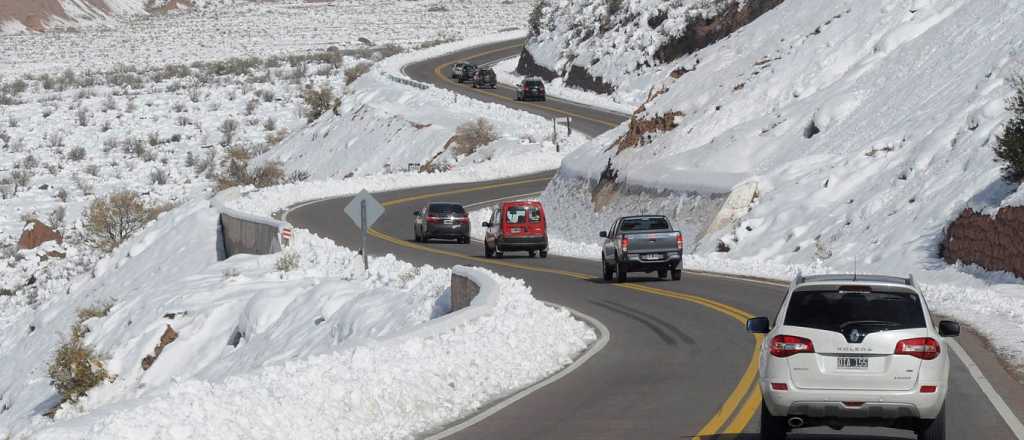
[{"x": 678, "y": 363}]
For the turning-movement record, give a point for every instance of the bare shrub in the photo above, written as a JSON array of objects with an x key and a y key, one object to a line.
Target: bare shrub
[
  {"x": 179, "y": 107},
  {"x": 277, "y": 136},
  {"x": 270, "y": 124},
  {"x": 437, "y": 7},
  {"x": 288, "y": 261},
  {"x": 21, "y": 178},
  {"x": 55, "y": 219},
  {"x": 83, "y": 185},
  {"x": 318, "y": 101},
  {"x": 12, "y": 122},
  {"x": 29, "y": 162},
  {"x": 353, "y": 73},
  {"x": 55, "y": 140},
  {"x": 105, "y": 126},
  {"x": 298, "y": 176},
  {"x": 76, "y": 154},
  {"x": 251, "y": 106},
  {"x": 76, "y": 367},
  {"x": 473, "y": 135},
  {"x": 110, "y": 103},
  {"x": 182, "y": 121},
  {"x": 153, "y": 139},
  {"x": 158, "y": 176},
  {"x": 92, "y": 170},
  {"x": 1009, "y": 146},
  {"x": 228, "y": 129},
  {"x": 82, "y": 116},
  {"x": 268, "y": 174},
  {"x": 62, "y": 195},
  {"x": 110, "y": 221}
]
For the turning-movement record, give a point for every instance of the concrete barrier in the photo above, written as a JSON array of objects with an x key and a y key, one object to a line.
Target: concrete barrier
[
  {"x": 242, "y": 233},
  {"x": 463, "y": 290}
]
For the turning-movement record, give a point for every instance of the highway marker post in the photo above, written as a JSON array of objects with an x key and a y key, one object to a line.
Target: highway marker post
[{"x": 364, "y": 210}]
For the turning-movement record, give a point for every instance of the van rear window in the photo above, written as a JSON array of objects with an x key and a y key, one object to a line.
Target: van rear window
[
  {"x": 840, "y": 311},
  {"x": 515, "y": 214}
]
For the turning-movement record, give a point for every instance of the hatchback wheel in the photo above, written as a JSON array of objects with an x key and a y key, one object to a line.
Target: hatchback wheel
[
  {"x": 934, "y": 429},
  {"x": 772, "y": 428},
  {"x": 488, "y": 252},
  {"x": 663, "y": 273},
  {"x": 677, "y": 274}
]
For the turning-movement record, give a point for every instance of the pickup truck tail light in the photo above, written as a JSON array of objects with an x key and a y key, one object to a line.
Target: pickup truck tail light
[
  {"x": 679, "y": 240},
  {"x": 921, "y": 348},
  {"x": 625, "y": 244},
  {"x": 785, "y": 346}
]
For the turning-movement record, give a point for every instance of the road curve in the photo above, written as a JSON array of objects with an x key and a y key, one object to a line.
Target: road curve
[{"x": 678, "y": 364}]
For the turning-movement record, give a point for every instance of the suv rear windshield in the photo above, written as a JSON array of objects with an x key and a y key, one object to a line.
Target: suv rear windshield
[
  {"x": 533, "y": 83},
  {"x": 486, "y": 73},
  {"x": 643, "y": 224},
  {"x": 839, "y": 311},
  {"x": 445, "y": 209}
]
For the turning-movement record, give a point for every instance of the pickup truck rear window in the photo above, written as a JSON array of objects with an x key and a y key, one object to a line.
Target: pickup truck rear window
[
  {"x": 643, "y": 224},
  {"x": 840, "y": 311}
]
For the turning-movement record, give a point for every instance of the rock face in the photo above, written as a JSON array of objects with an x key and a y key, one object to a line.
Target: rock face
[
  {"x": 166, "y": 339},
  {"x": 36, "y": 233},
  {"x": 994, "y": 243},
  {"x": 597, "y": 51}
]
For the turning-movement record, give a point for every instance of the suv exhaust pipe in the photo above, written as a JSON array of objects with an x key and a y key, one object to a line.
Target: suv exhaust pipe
[{"x": 795, "y": 422}]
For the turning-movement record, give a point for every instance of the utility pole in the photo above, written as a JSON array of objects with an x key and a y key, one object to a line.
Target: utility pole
[{"x": 554, "y": 133}]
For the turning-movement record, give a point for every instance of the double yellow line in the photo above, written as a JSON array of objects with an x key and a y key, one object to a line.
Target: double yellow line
[
  {"x": 744, "y": 400},
  {"x": 439, "y": 73}
]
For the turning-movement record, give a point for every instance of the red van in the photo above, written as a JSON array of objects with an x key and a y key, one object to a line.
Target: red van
[{"x": 516, "y": 226}]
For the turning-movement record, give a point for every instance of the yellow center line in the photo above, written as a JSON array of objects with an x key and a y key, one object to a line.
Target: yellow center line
[{"x": 440, "y": 75}]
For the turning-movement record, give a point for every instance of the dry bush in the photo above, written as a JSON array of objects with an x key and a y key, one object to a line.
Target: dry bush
[
  {"x": 1009, "y": 145},
  {"x": 288, "y": 261},
  {"x": 153, "y": 139},
  {"x": 277, "y": 136},
  {"x": 298, "y": 176},
  {"x": 353, "y": 73},
  {"x": 473, "y": 135},
  {"x": 55, "y": 140},
  {"x": 318, "y": 101},
  {"x": 251, "y": 106},
  {"x": 268, "y": 174},
  {"x": 76, "y": 154},
  {"x": 159, "y": 176},
  {"x": 228, "y": 129},
  {"x": 270, "y": 124},
  {"x": 237, "y": 172},
  {"x": 76, "y": 367},
  {"x": 62, "y": 195},
  {"x": 21, "y": 178},
  {"x": 82, "y": 116},
  {"x": 55, "y": 219},
  {"x": 110, "y": 221}
]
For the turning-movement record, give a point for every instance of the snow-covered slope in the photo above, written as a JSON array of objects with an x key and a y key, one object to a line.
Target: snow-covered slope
[
  {"x": 865, "y": 125},
  {"x": 261, "y": 353},
  {"x": 617, "y": 46}
]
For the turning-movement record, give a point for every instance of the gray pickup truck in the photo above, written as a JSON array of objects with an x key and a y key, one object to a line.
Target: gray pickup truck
[{"x": 641, "y": 243}]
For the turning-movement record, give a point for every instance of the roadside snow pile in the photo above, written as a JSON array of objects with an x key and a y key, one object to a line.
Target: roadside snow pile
[
  {"x": 324, "y": 350},
  {"x": 867, "y": 126}
]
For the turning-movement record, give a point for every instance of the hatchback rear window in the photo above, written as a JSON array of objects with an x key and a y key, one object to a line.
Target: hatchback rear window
[
  {"x": 446, "y": 208},
  {"x": 839, "y": 311},
  {"x": 644, "y": 224}
]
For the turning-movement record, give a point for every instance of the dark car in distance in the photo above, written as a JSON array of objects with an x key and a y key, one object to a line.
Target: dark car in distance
[
  {"x": 484, "y": 78},
  {"x": 531, "y": 89},
  {"x": 466, "y": 73},
  {"x": 441, "y": 220}
]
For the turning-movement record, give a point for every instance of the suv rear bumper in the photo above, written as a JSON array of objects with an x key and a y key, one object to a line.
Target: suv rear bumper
[
  {"x": 522, "y": 244},
  {"x": 833, "y": 404}
]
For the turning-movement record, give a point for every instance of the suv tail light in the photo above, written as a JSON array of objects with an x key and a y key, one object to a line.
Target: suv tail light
[
  {"x": 921, "y": 348},
  {"x": 462, "y": 220},
  {"x": 625, "y": 244},
  {"x": 679, "y": 240},
  {"x": 786, "y": 346},
  {"x": 432, "y": 219}
]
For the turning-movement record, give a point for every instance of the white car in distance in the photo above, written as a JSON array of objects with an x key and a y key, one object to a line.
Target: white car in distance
[{"x": 853, "y": 350}]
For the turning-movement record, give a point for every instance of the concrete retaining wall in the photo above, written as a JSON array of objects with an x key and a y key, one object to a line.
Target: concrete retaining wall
[
  {"x": 993, "y": 242},
  {"x": 241, "y": 233},
  {"x": 464, "y": 290}
]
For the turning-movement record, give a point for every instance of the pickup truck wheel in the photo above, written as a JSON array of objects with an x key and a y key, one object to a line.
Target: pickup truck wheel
[
  {"x": 933, "y": 429},
  {"x": 620, "y": 273},
  {"x": 663, "y": 273},
  {"x": 772, "y": 428},
  {"x": 543, "y": 254},
  {"x": 608, "y": 270},
  {"x": 533, "y": 254},
  {"x": 488, "y": 252},
  {"x": 677, "y": 274}
]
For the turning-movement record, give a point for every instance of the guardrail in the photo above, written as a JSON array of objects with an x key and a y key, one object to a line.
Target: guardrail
[
  {"x": 242, "y": 233},
  {"x": 406, "y": 81}
]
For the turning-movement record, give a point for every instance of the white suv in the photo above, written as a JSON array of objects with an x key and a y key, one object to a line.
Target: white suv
[{"x": 853, "y": 350}]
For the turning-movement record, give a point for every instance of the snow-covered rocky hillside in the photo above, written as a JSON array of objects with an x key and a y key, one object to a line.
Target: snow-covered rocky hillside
[
  {"x": 277, "y": 346},
  {"x": 616, "y": 47},
  {"x": 857, "y": 129}
]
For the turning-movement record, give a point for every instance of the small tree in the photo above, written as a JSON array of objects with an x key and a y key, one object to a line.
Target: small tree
[
  {"x": 1010, "y": 145},
  {"x": 229, "y": 128},
  {"x": 353, "y": 73},
  {"x": 318, "y": 101},
  {"x": 110, "y": 221},
  {"x": 535, "y": 17}
]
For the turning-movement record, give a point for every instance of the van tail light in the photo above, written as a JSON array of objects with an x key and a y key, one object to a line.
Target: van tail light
[
  {"x": 679, "y": 240},
  {"x": 778, "y": 386},
  {"x": 921, "y": 348},
  {"x": 928, "y": 388},
  {"x": 785, "y": 346},
  {"x": 625, "y": 244}
]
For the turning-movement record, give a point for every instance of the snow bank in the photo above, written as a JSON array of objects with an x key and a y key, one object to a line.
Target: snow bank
[
  {"x": 327, "y": 350},
  {"x": 867, "y": 126}
]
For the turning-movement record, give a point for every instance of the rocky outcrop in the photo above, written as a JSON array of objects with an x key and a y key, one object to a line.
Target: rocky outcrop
[
  {"x": 528, "y": 67},
  {"x": 166, "y": 339},
  {"x": 641, "y": 128},
  {"x": 36, "y": 233},
  {"x": 580, "y": 78},
  {"x": 707, "y": 30},
  {"x": 995, "y": 243}
]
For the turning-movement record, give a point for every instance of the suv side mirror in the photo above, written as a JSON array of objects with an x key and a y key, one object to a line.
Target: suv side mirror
[
  {"x": 603, "y": 234},
  {"x": 758, "y": 325},
  {"x": 486, "y": 224},
  {"x": 949, "y": 328}
]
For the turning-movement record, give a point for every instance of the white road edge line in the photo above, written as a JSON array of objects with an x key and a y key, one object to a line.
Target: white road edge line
[
  {"x": 604, "y": 335},
  {"x": 986, "y": 387}
]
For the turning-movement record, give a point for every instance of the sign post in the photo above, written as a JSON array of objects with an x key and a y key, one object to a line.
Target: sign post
[{"x": 364, "y": 210}]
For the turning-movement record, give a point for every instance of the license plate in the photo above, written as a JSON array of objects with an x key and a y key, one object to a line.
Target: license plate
[
  {"x": 517, "y": 230},
  {"x": 852, "y": 363},
  {"x": 652, "y": 256},
  {"x": 447, "y": 222}
]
